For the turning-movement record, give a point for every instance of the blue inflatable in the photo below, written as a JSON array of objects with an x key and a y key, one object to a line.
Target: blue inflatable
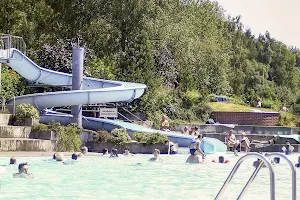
[{"x": 212, "y": 146}]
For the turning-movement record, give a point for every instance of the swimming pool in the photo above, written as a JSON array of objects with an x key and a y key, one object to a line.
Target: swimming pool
[{"x": 100, "y": 177}]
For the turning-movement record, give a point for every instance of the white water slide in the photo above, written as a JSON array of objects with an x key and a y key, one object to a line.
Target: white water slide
[{"x": 93, "y": 91}]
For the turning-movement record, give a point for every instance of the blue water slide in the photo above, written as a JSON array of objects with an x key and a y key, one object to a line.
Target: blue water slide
[{"x": 93, "y": 91}]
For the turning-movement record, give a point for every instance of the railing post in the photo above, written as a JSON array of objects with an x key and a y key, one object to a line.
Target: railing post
[{"x": 237, "y": 165}]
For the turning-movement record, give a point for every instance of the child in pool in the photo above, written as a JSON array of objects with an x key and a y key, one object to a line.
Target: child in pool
[{"x": 221, "y": 160}]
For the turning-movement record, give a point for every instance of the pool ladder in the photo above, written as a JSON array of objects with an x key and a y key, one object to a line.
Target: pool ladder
[{"x": 263, "y": 160}]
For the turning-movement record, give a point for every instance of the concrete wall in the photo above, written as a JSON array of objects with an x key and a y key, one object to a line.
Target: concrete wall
[
  {"x": 220, "y": 128},
  {"x": 9, "y": 144},
  {"x": 14, "y": 131},
  {"x": 247, "y": 118},
  {"x": 134, "y": 147}
]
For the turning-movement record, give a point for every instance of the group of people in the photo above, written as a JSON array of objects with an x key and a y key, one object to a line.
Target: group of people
[{"x": 193, "y": 131}]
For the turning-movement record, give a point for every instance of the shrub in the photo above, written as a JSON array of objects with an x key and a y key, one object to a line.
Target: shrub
[
  {"x": 67, "y": 137},
  {"x": 153, "y": 138},
  {"x": 270, "y": 104},
  {"x": 40, "y": 127},
  {"x": 25, "y": 111},
  {"x": 102, "y": 136},
  {"x": 296, "y": 109},
  {"x": 119, "y": 136}
]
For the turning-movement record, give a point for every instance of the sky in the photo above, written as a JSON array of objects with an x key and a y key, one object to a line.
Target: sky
[{"x": 280, "y": 17}]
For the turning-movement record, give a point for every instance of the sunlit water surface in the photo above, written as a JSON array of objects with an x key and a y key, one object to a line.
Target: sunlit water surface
[{"x": 100, "y": 177}]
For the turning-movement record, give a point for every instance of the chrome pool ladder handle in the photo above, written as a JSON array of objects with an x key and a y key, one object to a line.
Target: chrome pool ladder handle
[{"x": 265, "y": 161}]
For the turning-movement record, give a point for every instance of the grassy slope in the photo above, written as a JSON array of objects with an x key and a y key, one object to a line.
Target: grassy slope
[{"x": 287, "y": 118}]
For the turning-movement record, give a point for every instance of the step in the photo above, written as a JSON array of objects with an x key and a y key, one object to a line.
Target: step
[
  {"x": 15, "y": 131},
  {"x": 274, "y": 148},
  {"x": 5, "y": 119},
  {"x": 22, "y": 144}
]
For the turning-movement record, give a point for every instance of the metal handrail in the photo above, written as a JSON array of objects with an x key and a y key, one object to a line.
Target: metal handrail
[
  {"x": 264, "y": 160},
  {"x": 294, "y": 174}
]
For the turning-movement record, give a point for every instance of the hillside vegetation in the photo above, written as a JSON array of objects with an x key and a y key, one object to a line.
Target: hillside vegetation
[{"x": 183, "y": 50}]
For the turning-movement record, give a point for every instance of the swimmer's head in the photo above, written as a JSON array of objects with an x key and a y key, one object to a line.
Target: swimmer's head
[
  {"x": 276, "y": 160},
  {"x": 23, "y": 168},
  {"x": 114, "y": 152},
  {"x": 13, "y": 161},
  {"x": 74, "y": 156},
  {"x": 196, "y": 128},
  {"x": 59, "y": 157},
  {"x": 221, "y": 159},
  {"x": 54, "y": 156}
]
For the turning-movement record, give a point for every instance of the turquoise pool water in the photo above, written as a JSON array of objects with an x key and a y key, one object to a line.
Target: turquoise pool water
[{"x": 104, "y": 178}]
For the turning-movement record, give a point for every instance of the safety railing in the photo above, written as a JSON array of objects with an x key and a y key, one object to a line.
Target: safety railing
[
  {"x": 263, "y": 160},
  {"x": 9, "y": 42}
]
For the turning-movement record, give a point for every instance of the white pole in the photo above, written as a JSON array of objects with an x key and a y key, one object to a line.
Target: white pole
[
  {"x": 169, "y": 147},
  {"x": 14, "y": 105}
]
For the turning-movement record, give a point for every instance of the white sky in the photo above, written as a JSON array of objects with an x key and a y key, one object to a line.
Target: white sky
[{"x": 280, "y": 17}]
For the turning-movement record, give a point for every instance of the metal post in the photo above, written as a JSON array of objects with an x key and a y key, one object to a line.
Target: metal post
[
  {"x": 294, "y": 174},
  {"x": 77, "y": 79},
  {"x": 237, "y": 165},
  {"x": 14, "y": 111}
]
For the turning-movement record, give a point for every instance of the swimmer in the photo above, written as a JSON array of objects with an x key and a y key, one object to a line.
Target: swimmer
[
  {"x": 23, "y": 172},
  {"x": 84, "y": 150},
  {"x": 114, "y": 153},
  {"x": 298, "y": 164},
  {"x": 104, "y": 151},
  {"x": 127, "y": 152},
  {"x": 288, "y": 148},
  {"x": 59, "y": 157},
  {"x": 195, "y": 147},
  {"x": 13, "y": 161},
  {"x": 156, "y": 154},
  {"x": 74, "y": 156},
  {"x": 54, "y": 156},
  {"x": 80, "y": 155},
  {"x": 194, "y": 158},
  {"x": 222, "y": 160},
  {"x": 173, "y": 149}
]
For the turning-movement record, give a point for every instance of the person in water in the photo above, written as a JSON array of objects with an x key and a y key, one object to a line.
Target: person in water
[
  {"x": 156, "y": 157},
  {"x": 221, "y": 160},
  {"x": 298, "y": 164},
  {"x": 84, "y": 150},
  {"x": 59, "y": 157},
  {"x": 104, "y": 151},
  {"x": 13, "y": 161},
  {"x": 171, "y": 145},
  {"x": 288, "y": 148},
  {"x": 195, "y": 147},
  {"x": 74, "y": 156},
  {"x": 23, "y": 171},
  {"x": 127, "y": 152},
  {"x": 114, "y": 153}
]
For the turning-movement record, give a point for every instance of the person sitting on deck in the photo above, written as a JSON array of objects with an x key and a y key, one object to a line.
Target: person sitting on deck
[
  {"x": 231, "y": 141},
  {"x": 156, "y": 157},
  {"x": 185, "y": 130},
  {"x": 23, "y": 171},
  {"x": 244, "y": 142},
  {"x": 164, "y": 123}
]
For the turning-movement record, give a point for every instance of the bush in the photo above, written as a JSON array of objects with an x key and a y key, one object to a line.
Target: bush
[
  {"x": 102, "y": 136},
  {"x": 26, "y": 111},
  {"x": 119, "y": 136},
  {"x": 296, "y": 109},
  {"x": 153, "y": 138},
  {"x": 40, "y": 127},
  {"x": 270, "y": 104},
  {"x": 67, "y": 137}
]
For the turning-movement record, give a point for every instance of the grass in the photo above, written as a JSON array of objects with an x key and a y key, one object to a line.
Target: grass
[
  {"x": 286, "y": 118},
  {"x": 231, "y": 107}
]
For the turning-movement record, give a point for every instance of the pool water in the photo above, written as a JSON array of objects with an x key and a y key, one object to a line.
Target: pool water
[{"x": 100, "y": 177}]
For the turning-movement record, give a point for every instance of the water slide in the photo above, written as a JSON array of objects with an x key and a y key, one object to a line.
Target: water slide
[{"x": 93, "y": 91}]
